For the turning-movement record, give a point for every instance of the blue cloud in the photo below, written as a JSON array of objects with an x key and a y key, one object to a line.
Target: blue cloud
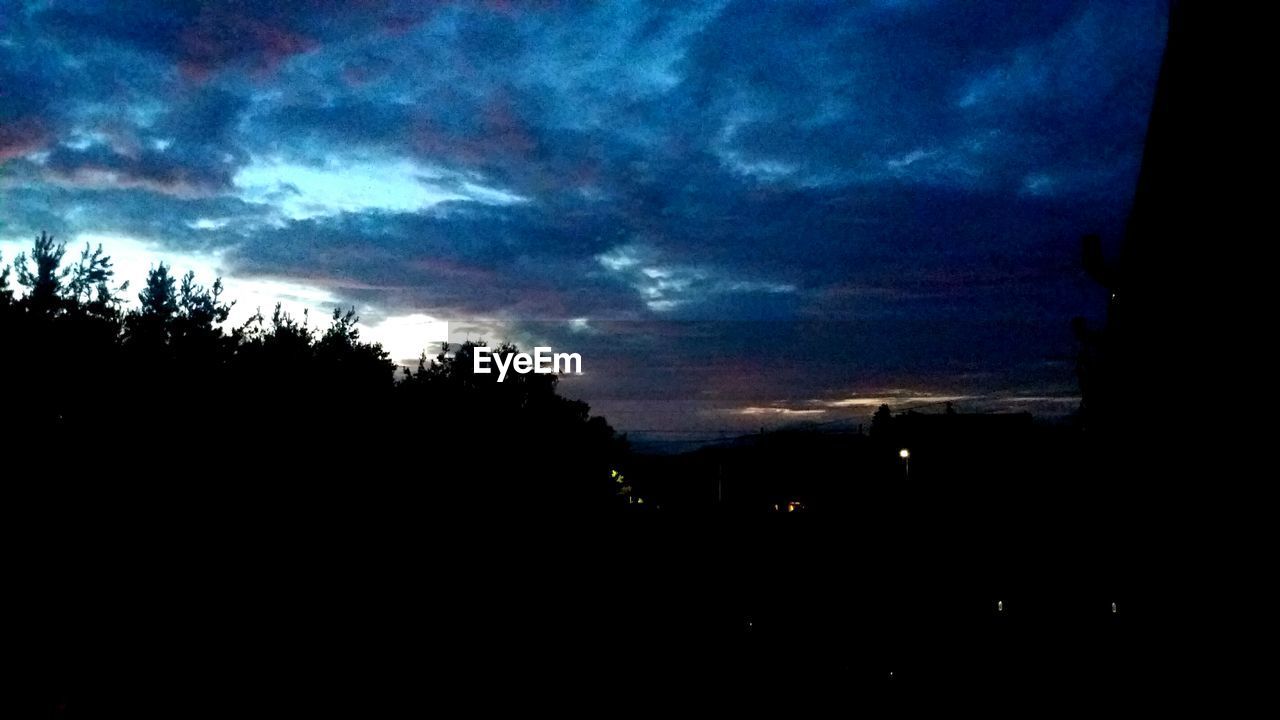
[{"x": 906, "y": 180}]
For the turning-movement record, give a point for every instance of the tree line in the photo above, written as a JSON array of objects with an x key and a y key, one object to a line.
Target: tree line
[{"x": 168, "y": 392}]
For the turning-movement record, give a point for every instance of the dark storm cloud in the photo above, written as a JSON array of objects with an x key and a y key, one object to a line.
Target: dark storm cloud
[
  {"x": 915, "y": 175},
  {"x": 458, "y": 261},
  {"x": 202, "y": 38}
]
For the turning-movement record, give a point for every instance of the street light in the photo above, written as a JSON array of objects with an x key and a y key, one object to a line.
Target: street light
[{"x": 905, "y": 454}]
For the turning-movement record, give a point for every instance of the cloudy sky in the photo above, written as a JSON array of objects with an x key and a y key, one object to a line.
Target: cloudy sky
[{"x": 741, "y": 214}]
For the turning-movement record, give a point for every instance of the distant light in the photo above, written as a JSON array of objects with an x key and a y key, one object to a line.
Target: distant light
[
  {"x": 999, "y": 606},
  {"x": 904, "y": 453},
  {"x": 1113, "y": 608}
]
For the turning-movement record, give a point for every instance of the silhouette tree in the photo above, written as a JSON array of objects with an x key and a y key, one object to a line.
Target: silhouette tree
[
  {"x": 42, "y": 274},
  {"x": 553, "y": 438},
  {"x": 148, "y": 327},
  {"x": 168, "y": 380},
  {"x": 6, "y": 292},
  {"x": 196, "y": 328},
  {"x": 90, "y": 278},
  {"x": 881, "y": 421},
  {"x": 65, "y": 314},
  {"x": 340, "y": 352}
]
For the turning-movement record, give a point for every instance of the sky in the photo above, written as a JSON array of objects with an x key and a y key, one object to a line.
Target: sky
[{"x": 742, "y": 214}]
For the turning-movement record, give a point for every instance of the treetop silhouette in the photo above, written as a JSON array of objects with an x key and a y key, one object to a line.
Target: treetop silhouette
[{"x": 169, "y": 378}]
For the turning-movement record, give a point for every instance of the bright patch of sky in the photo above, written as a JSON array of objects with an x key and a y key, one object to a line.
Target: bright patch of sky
[
  {"x": 666, "y": 287},
  {"x": 406, "y": 337},
  {"x": 895, "y": 400},
  {"x": 779, "y": 411},
  {"x": 301, "y": 191}
]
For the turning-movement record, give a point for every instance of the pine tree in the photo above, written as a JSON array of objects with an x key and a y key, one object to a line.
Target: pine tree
[{"x": 44, "y": 282}]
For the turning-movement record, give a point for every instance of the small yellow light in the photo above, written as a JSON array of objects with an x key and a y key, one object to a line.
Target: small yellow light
[{"x": 904, "y": 453}]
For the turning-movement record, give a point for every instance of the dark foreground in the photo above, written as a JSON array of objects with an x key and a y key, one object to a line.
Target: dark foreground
[{"x": 293, "y": 608}]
